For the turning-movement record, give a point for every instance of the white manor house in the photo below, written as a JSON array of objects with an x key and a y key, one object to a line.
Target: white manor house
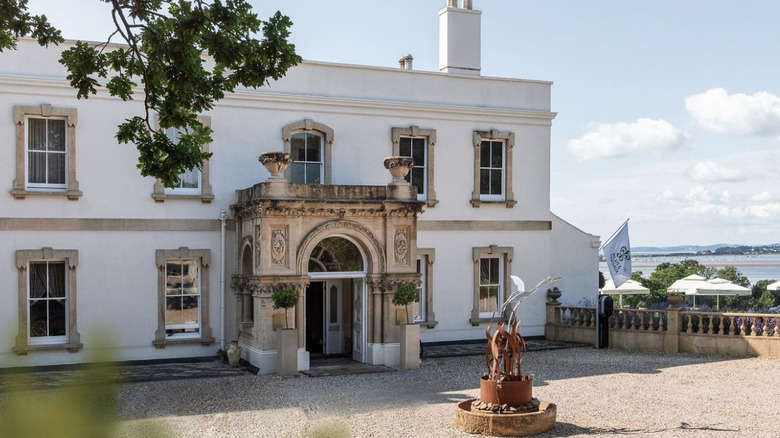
[{"x": 94, "y": 256}]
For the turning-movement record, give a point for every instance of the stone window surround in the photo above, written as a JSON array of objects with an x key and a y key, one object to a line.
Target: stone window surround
[
  {"x": 203, "y": 256},
  {"x": 21, "y": 112},
  {"x": 506, "y": 253},
  {"x": 23, "y": 259},
  {"x": 509, "y": 143},
  {"x": 324, "y": 131},
  {"x": 206, "y": 192},
  {"x": 430, "y": 135},
  {"x": 427, "y": 256}
]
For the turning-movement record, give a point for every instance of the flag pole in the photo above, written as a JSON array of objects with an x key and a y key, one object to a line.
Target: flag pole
[{"x": 614, "y": 234}]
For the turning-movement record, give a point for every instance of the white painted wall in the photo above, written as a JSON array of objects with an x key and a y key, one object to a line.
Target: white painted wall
[{"x": 117, "y": 277}]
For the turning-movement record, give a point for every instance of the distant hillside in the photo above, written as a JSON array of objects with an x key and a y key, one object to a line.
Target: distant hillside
[{"x": 720, "y": 248}]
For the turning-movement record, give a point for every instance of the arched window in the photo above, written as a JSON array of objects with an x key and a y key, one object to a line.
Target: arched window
[
  {"x": 309, "y": 144},
  {"x": 336, "y": 254}
]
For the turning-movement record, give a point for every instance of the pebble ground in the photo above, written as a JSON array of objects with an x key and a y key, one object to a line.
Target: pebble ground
[{"x": 597, "y": 393}]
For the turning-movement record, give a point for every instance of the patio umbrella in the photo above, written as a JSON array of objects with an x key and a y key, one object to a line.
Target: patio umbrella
[
  {"x": 630, "y": 287},
  {"x": 774, "y": 287},
  {"x": 718, "y": 287},
  {"x": 688, "y": 286}
]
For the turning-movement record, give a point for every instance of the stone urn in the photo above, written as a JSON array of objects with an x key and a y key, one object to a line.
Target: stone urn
[
  {"x": 554, "y": 294},
  {"x": 233, "y": 353},
  {"x": 674, "y": 300},
  {"x": 275, "y": 162},
  {"x": 399, "y": 167}
]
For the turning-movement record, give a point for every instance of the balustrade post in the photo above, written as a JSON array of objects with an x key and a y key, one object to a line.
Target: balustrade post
[
  {"x": 553, "y": 321},
  {"x": 673, "y": 329}
]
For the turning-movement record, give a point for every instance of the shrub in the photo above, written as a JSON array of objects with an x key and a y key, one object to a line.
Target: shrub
[
  {"x": 285, "y": 299},
  {"x": 406, "y": 294}
]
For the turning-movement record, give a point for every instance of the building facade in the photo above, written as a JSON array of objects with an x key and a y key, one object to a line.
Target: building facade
[{"x": 97, "y": 258}]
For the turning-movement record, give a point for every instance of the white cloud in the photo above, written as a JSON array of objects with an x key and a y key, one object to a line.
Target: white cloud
[
  {"x": 700, "y": 204},
  {"x": 622, "y": 139},
  {"x": 709, "y": 171},
  {"x": 717, "y": 111}
]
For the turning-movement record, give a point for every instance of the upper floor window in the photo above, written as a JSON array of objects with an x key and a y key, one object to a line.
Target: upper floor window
[
  {"x": 310, "y": 146},
  {"x": 493, "y": 168},
  {"x": 192, "y": 184},
  {"x": 45, "y": 151},
  {"x": 306, "y": 152},
  {"x": 418, "y": 144}
]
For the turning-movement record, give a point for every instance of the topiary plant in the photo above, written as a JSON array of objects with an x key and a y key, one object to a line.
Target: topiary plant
[
  {"x": 406, "y": 294},
  {"x": 284, "y": 299}
]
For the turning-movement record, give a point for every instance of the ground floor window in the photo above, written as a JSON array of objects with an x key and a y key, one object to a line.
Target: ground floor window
[
  {"x": 183, "y": 297},
  {"x": 492, "y": 267},
  {"x": 47, "y": 298}
]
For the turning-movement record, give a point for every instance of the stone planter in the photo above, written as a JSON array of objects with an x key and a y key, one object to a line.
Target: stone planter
[
  {"x": 275, "y": 162},
  {"x": 674, "y": 300},
  {"x": 554, "y": 294},
  {"x": 410, "y": 346},
  {"x": 399, "y": 167},
  {"x": 287, "y": 352},
  {"x": 233, "y": 353},
  {"x": 510, "y": 392}
]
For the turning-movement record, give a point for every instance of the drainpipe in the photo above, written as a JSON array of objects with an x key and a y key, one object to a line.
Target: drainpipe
[{"x": 222, "y": 217}]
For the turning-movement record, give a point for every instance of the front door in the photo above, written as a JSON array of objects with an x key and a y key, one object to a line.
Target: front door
[{"x": 332, "y": 316}]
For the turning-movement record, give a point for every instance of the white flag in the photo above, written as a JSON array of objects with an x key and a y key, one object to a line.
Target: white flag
[{"x": 617, "y": 252}]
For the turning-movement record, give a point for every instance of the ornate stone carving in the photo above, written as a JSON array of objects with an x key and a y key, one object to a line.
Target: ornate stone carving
[
  {"x": 279, "y": 246},
  {"x": 401, "y": 246},
  {"x": 259, "y": 234}
]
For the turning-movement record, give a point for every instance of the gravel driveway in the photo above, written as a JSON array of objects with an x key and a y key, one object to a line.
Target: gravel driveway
[{"x": 598, "y": 392}]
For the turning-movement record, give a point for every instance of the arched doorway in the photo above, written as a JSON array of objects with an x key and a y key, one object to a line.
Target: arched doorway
[{"x": 335, "y": 299}]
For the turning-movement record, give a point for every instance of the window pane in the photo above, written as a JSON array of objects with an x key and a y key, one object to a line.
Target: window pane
[
  {"x": 173, "y": 308},
  {"x": 418, "y": 174},
  {"x": 405, "y": 147},
  {"x": 298, "y": 147},
  {"x": 38, "y": 280},
  {"x": 313, "y": 173},
  {"x": 313, "y": 149},
  {"x": 494, "y": 271},
  {"x": 57, "y": 280},
  {"x": 190, "y": 310},
  {"x": 484, "y": 271},
  {"x": 484, "y": 181},
  {"x": 190, "y": 179},
  {"x": 484, "y": 154},
  {"x": 495, "y": 182},
  {"x": 36, "y": 134},
  {"x": 56, "y": 138},
  {"x": 36, "y": 167},
  {"x": 57, "y": 318},
  {"x": 56, "y": 170},
  {"x": 39, "y": 321},
  {"x": 418, "y": 152},
  {"x": 297, "y": 173},
  {"x": 497, "y": 155}
]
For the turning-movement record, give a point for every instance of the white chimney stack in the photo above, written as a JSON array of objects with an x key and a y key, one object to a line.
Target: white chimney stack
[{"x": 460, "y": 39}]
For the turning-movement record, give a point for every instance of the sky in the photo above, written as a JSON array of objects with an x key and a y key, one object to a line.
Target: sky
[{"x": 668, "y": 112}]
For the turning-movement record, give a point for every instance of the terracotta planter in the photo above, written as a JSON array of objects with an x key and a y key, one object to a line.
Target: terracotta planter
[{"x": 511, "y": 392}]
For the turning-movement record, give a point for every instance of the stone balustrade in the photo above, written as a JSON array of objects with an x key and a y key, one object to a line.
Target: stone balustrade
[{"x": 672, "y": 330}]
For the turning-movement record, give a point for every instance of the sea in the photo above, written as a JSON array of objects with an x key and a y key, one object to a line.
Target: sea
[{"x": 754, "y": 267}]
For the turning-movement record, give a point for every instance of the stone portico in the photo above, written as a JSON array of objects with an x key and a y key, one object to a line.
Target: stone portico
[{"x": 358, "y": 242}]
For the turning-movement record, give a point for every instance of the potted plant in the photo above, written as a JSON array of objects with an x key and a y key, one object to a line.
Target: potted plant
[
  {"x": 405, "y": 294},
  {"x": 287, "y": 338}
]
